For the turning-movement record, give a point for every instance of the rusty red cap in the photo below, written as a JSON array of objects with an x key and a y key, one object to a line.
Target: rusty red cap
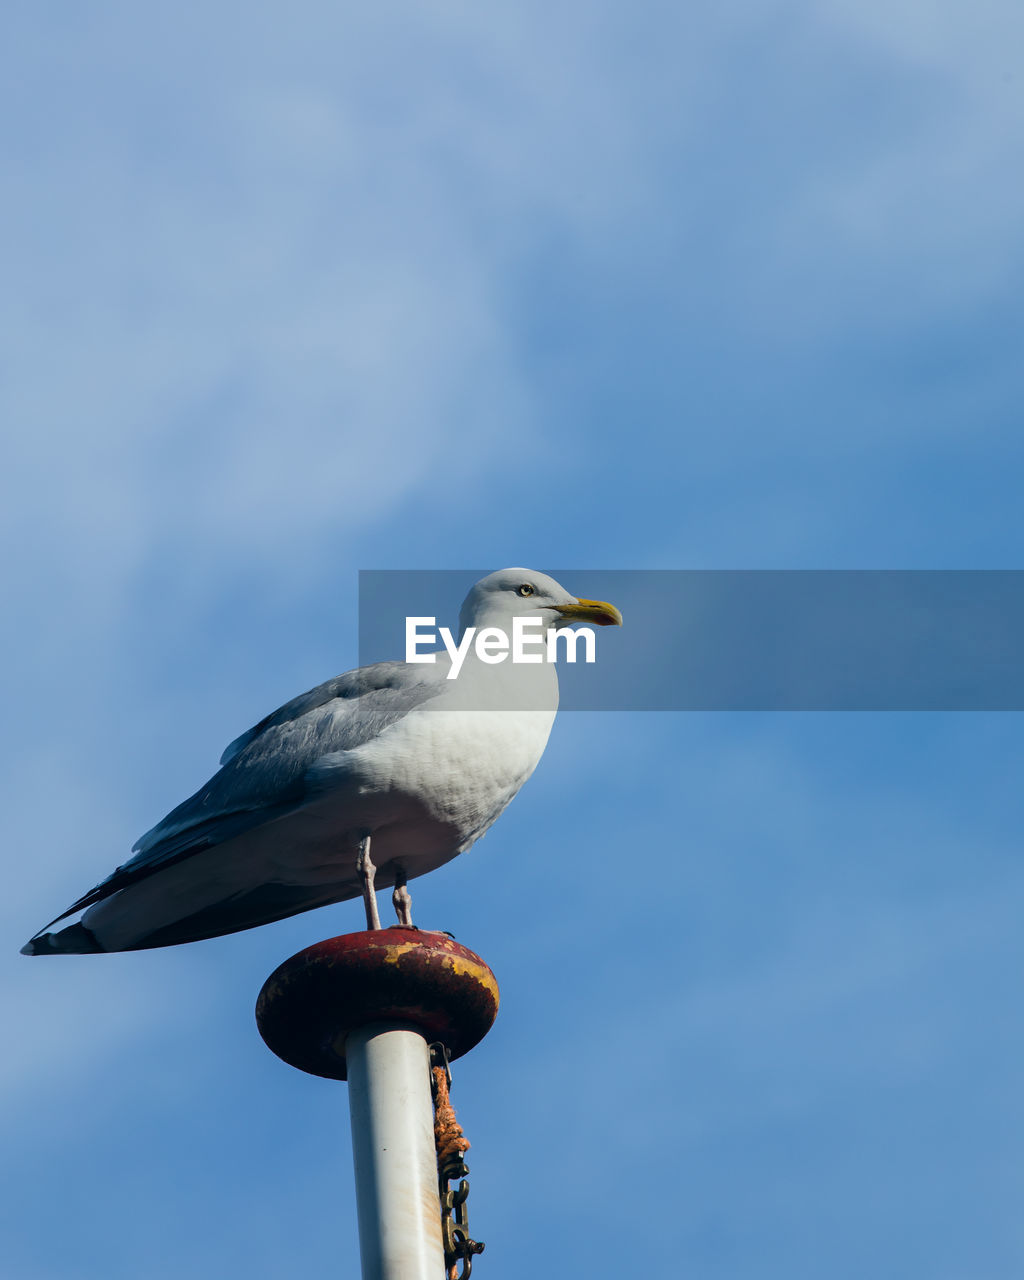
[{"x": 310, "y": 1004}]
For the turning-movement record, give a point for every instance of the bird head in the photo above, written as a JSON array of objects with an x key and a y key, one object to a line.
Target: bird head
[{"x": 509, "y": 593}]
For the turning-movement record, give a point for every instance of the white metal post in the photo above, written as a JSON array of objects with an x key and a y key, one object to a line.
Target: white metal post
[{"x": 393, "y": 1148}]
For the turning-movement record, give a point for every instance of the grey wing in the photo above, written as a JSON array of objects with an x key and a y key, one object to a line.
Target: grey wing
[
  {"x": 264, "y": 773},
  {"x": 378, "y": 695}
]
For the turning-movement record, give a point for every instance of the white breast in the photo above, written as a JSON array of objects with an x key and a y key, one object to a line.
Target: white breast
[{"x": 464, "y": 756}]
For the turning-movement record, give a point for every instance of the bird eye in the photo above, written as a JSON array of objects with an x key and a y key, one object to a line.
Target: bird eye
[{"x": 527, "y": 589}]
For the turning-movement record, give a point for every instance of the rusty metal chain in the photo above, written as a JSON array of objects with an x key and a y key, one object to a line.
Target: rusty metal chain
[{"x": 451, "y": 1143}]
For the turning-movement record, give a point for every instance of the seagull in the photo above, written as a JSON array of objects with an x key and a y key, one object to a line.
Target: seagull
[{"x": 375, "y": 777}]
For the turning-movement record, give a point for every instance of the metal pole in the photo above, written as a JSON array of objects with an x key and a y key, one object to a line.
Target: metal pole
[
  {"x": 392, "y": 1114},
  {"x": 364, "y": 1007}
]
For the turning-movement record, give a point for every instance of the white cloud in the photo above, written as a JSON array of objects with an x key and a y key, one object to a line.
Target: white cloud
[{"x": 261, "y": 299}]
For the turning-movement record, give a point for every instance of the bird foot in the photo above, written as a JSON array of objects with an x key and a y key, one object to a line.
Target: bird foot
[
  {"x": 367, "y": 873},
  {"x": 401, "y": 900}
]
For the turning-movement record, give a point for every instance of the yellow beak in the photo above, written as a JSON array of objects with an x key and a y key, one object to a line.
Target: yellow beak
[{"x": 604, "y": 614}]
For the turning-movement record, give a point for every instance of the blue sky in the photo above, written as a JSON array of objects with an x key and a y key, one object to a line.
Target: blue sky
[{"x": 296, "y": 291}]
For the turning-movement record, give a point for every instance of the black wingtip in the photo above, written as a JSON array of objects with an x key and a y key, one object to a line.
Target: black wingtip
[{"x": 76, "y": 939}]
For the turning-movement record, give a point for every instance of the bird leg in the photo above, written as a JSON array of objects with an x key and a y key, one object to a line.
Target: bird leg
[
  {"x": 402, "y": 899},
  {"x": 367, "y": 872}
]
